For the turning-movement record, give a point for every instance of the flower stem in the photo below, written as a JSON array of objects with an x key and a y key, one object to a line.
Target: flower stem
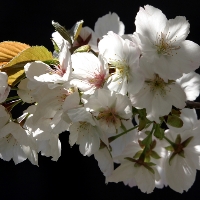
[{"x": 110, "y": 139}]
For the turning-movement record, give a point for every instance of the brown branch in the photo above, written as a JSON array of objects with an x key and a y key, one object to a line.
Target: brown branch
[{"x": 192, "y": 104}]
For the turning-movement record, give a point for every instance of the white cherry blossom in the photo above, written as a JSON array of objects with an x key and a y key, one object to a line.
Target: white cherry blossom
[
  {"x": 90, "y": 73},
  {"x": 183, "y": 160},
  {"x": 163, "y": 43},
  {"x": 158, "y": 97},
  {"x": 109, "y": 108},
  {"x": 84, "y": 131},
  {"x": 144, "y": 178},
  {"x": 16, "y": 144},
  {"x": 123, "y": 59},
  {"x": 40, "y": 72}
]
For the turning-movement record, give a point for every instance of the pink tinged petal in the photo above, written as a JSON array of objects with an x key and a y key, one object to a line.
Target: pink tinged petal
[
  {"x": 105, "y": 161},
  {"x": 35, "y": 69},
  {"x": 65, "y": 60}
]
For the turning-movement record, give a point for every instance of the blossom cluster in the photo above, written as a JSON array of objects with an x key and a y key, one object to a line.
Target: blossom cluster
[{"x": 122, "y": 97}]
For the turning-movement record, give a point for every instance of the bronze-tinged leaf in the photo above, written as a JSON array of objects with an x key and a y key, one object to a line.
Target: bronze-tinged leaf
[
  {"x": 10, "y": 49},
  {"x": 15, "y": 68},
  {"x": 31, "y": 54}
]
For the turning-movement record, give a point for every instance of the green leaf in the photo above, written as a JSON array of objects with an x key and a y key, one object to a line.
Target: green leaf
[
  {"x": 187, "y": 141},
  {"x": 137, "y": 165},
  {"x": 159, "y": 132},
  {"x": 176, "y": 112},
  {"x": 181, "y": 153},
  {"x": 137, "y": 155},
  {"x": 134, "y": 111},
  {"x": 178, "y": 139},
  {"x": 84, "y": 48},
  {"x": 147, "y": 141},
  {"x": 142, "y": 124},
  {"x": 76, "y": 29},
  {"x": 150, "y": 169},
  {"x": 150, "y": 164},
  {"x": 52, "y": 62},
  {"x": 171, "y": 158},
  {"x": 56, "y": 48},
  {"x": 147, "y": 159},
  {"x": 63, "y": 32},
  {"x": 141, "y": 144},
  {"x": 174, "y": 121},
  {"x": 153, "y": 144},
  {"x": 130, "y": 159},
  {"x": 155, "y": 155},
  {"x": 169, "y": 148}
]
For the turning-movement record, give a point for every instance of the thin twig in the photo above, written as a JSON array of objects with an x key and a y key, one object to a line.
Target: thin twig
[{"x": 192, "y": 104}]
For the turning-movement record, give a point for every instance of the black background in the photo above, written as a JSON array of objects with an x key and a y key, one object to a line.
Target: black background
[{"x": 74, "y": 176}]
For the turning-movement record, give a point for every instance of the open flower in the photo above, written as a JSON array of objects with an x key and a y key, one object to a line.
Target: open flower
[
  {"x": 40, "y": 72},
  {"x": 123, "y": 59},
  {"x": 163, "y": 43},
  {"x": 158, "y": 97},
  {"x": 90, "y": 73},
  {"x": 109, "y": 109},
  {"x": 183, "y": 158}
]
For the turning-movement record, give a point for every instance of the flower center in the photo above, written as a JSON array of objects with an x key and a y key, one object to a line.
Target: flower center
[
  {"x": 110, "y": 116},
  {"x": 157, "y": 84},
  {"x": 165, "y": 46},
  {"x": 121, "y": 68},
  {"x": 98, "y": 80}
]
